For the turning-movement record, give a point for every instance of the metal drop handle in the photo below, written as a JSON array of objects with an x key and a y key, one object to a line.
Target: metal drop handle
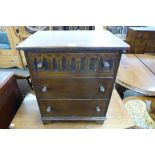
[
  {"x": 40, "y": 65},
  {"x": 49, "y": 109},
  {"x": 44, "y": 89},
  {"x": 102, "y": 89},
  {"x": 98, "y": 109},
  {"x": 106, "y": 64}
]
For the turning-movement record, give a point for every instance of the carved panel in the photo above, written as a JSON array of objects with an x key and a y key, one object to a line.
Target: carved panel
[{"x": 93, "y": 62}]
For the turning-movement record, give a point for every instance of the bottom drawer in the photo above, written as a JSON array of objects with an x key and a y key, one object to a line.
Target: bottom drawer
[{"x": 56, "y": 108}]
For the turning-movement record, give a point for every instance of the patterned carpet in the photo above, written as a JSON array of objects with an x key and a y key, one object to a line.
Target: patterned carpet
[{"x": 137, "y": 110}]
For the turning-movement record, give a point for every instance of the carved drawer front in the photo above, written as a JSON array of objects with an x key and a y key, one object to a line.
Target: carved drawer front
[
  {"x": 73, "y": 62},
  {"x": 73, "y": 108},
  {"x": 74, "y": 88}
]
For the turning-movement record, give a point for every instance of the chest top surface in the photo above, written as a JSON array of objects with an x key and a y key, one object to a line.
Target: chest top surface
[{"x": 74, "y": 40}]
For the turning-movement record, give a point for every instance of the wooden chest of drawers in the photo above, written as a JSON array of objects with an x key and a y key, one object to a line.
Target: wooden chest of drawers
[
  {"x": 73, "y": 73},
  {"x": 141, "y": 39}
]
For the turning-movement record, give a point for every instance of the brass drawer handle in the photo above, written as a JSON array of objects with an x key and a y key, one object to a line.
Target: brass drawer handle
[
  {"x": 44, "y": 89},
  {"x": 98, "y": 109},
  {"x": 49, "y": 109},
  {"x": 102, "y": 89},
  {"x": 40, "y": 65}
]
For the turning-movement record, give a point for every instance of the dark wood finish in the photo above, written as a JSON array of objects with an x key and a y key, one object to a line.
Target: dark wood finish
[
  {"x": 141, "y": 39},
  {"x": 11, "y": 98},
  {"x": 73, "y": 88},
  {"x": 58, "y": 63},
  {"x": 73, "y": 108},
  {"x": 70, "y": 40},
  {"x": 73, "y": 71}
]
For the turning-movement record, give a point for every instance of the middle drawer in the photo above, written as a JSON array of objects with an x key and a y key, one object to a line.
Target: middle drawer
[{"x": 73, "y": 88}]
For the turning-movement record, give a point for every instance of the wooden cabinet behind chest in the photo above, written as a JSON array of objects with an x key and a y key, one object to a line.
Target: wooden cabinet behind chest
[
  {"x": 73, "y": 78},
  {"x": 141, "y": 39}
]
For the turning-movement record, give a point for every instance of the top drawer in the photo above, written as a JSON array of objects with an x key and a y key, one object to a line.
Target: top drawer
[{"x": 48, "y": 63}]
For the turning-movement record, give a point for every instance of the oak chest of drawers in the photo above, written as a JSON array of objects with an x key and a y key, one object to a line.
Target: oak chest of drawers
[
  {"x": 141, "y": 39},
  {"x": 73, "y": 72}
]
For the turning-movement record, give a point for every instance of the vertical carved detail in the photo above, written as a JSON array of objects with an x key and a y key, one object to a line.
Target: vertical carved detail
[
  {"x": 64, "y": 64},
  {"x": 98, "y": 63},
  {"x": 55, "y": 64},
  {"x": 78, "y": 63},
  {"x": 101, "y": 66},
  {"x": 45, "y": 64},
  {"x": 71, "y": 62},
  {"x": 82, "y": 64},
  {"x": 73, "y": 65},
  {"x": 39, "y": 64},
  {"x": 34, "y": 60},
  {"x": 60, "y": 63},
  {"x": 92, "y": 66},
  {"x": 51, "y": 63},
  {"x": 87, "y": 64}
]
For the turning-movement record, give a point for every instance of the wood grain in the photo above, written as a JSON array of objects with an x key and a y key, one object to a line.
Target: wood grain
[
  {"x": 148, "y": 60},
  {"x": 12, "y": 57},
  {"x": 78, "y": 65},
  {"x": 73, "y": 108},
  {"x": 134, "y": 75},
  {"x": 7, "y": 61},
  {"x": 73, "y": 88},
  {"x": 71, "y": 39},
  {"x": 141, "y": 39}
]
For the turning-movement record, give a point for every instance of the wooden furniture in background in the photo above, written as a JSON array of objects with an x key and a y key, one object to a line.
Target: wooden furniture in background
[
  {"x": 10, "y": 98},
  {"x": 28, "y": 117},
  {"x": 26, "y": 31},
  {"x": 16, "y": 34},
  {"x": 148, "y": 60},
  {"x": 73, "y": 73},
  {"x": 12, "y": 57},
  {"x": 141, "y": 39},
  {"x": 134, "y": 75}
]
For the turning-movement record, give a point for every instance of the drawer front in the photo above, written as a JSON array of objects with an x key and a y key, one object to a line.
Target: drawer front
[
  {"x": 48, "y": 63},
  {"x": 50, "y": 108},
  {"x": 73, "y": 88}
]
